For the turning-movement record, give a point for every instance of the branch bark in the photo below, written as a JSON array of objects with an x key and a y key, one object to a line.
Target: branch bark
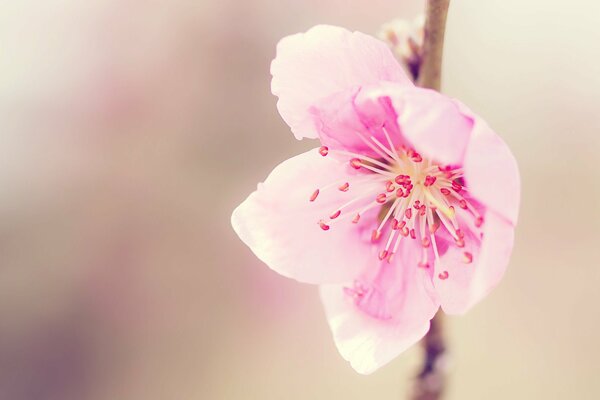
[
  {"x": 430, "y": 72},
  {"x": 431, "y": 381}
]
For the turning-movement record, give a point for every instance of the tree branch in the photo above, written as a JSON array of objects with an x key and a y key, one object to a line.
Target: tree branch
[
  {"x": 430, "y": 382},
  {"x": 430, "y": 72}
]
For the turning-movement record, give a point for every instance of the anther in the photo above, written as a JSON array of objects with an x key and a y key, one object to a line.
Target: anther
[
  {"x": 429, "y": 180},
  {"x": 400, "y": 179},
  {"x": 408, "y": 213},
  {"x": 456, "y": 186},
  {"x": 323, "y": 150},
  {"x": 478, "y": 222},
  {"x": 467, "y": 257},
  {"x": 425, "y": 242},
  {"x": 423, "y": 264},
  {"x": 383, "y": 254},
  {"x": 356, "y": 219},
  {"x": 375, "y": 235},
  {"x": 389, "y": 186},
  {"x": 443, "y": 275},
  {"x": 335, "y": 214},
  {"x": 323, "y": 226},
  {"x": 445, "y": 191},
  {"x": 355, "y": 163},
  {"x": 463, "y": 204},
  {"x": 344, "y": 187},
  {"x": 400, "y": 192},
  {"x": 413, "y": 234},
  {"x": 313, "y": 196},
  {"x": 381, "y": 198}
]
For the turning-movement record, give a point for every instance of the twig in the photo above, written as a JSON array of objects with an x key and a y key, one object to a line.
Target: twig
[
  {"x": 430, "y": 72},
  {"x": 431, "y": 381}
]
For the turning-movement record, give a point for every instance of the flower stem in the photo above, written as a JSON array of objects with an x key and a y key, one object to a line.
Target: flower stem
[{"x": 431, "y": 380}]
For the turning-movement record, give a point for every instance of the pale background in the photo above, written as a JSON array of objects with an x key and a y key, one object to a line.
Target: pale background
[{"x": 129, "y": 130}]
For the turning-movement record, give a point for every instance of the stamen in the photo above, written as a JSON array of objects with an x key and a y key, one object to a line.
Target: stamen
[
  {"x": 375, "y": 235},
  {"x": 355, "y": 163},
  {"x": 374, "y": 148},
  {"x": 429, "y": 180},
  {"x": 385, "y": 149},
  {"x": 402, "y": 180},
  {"x": 381, "y": 198},
  {"x": 361, "y": 157},
  {"x": 389, "y": 186},
  {"x": 383, "y": 254},
  {"x": 335, "y": 214},
  {"x": 323, "y": 225},
  {"x": 468, "y": 257}
]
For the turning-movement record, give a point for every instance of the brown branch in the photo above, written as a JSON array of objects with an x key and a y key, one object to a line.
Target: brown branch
[
  {"x": 430, "y": 72},
  {"x": 431, "y": 381}
]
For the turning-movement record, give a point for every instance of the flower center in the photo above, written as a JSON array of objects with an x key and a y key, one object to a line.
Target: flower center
[{"x": 415, "y": 197}]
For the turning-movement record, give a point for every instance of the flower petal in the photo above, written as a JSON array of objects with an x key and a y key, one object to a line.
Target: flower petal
[
  {"x": 468, "y": 283},
  {"x": 375, "y": 320},
  {"x": 433, "y": 124},
  {"x": 491, "y": 171},
  {"x": 321, "y": 62},
  {"x": 430, "y": 122},
  {"x": 348, "y": 121},
  {"x": 280, "y": 224}
]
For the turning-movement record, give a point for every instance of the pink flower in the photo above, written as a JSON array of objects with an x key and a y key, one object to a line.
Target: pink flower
[{"x": 409, "y": 204}]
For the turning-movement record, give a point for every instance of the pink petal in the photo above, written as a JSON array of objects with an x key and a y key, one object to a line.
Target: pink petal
[
  {"x": 280, "y": 224},
  {"x": 433, "y": 124},
  {"x": 347, "y": 120},
  {"x": 429, "y": 122},
  {"x": 394, "y": 314},
  {"x": 321, "y": 62},
  {"x": 491, "y": 171},
  {"x": 468, "y": 283}
]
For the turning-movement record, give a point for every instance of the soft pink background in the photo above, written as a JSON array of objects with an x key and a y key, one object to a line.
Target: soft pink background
[{"x": 129, "y": 130}]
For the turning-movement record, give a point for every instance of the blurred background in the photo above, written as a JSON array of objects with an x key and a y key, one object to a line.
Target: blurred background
[{"x": 129, "y": 131}]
